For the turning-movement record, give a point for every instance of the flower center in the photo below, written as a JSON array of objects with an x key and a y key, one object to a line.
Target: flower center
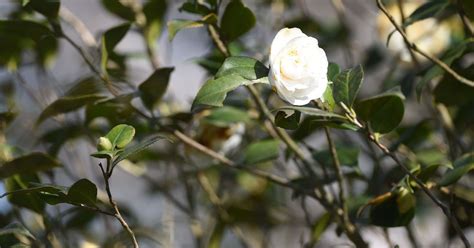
[{"x": 293, "y": 66}]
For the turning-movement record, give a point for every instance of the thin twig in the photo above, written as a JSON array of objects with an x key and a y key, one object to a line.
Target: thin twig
[
  {"x": 415, "y": 48},
  {"x": 114, "y": 205}
]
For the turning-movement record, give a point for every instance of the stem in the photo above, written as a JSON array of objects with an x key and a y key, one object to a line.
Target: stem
[
  {"x": 415, "y": 48},
  {"x": 114, "y": 205}
]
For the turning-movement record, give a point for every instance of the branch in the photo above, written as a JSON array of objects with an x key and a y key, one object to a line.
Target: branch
[
  {"x": 415, "y": 48},
  {"x": 114, "y": 205},
  {"x": 446, "y": 210}
]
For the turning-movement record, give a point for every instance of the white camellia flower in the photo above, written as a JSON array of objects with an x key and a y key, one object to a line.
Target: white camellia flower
[{"x": 298, "y": 67}]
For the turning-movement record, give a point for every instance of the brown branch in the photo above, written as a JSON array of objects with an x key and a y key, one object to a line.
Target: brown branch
[{"x": 415, "y": 48}]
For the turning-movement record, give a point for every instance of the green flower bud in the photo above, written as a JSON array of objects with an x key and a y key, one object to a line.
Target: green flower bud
[{"x": 104, "y": 144}]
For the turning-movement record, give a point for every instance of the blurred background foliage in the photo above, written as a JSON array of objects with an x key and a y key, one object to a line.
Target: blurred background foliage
[{"x": 64, "y": 83}]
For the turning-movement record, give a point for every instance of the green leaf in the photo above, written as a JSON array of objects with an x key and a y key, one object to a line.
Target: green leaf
[
  {"x": 138, "y": 148},
  {"x": 333, "y": 71},
  {"x": 83, "y": 192},
  {"x": 329, "y": 99},
  {"x": 348, "y": 156},
  {"x": 427, "y": 10},
  {"x": 103, "y": 154},
  {"x": 346, "y": 85},
  {"x": 67, "y": 104},
  {"x": 384, "y": 112},
  {"x": 154, "y": 11},
  {"x": 154, "y": 87},
  {"x": 195, "y": 8},
  {"x": 121, "y": 135},
  {"x": 468, "y": 7},
  {"x": 397, "y": 210},
  {"x": 214, "y": 91},
  {"x": 48, "y": 8},
  {"x": 113, "y": 36},
  {"x": 290, "y": 121},
  {"x": 225, "y": 116},
  {"x": 461, "y": 166},
  {"x": 448, "y": 57},
  {"x": 174, "y": 26},
  {"x": 110, "y": 40},
  {"x": 20, "y": 183},
  {"x": 236, "y": 21},
  {"x": 119, "y": 9},
  {"x": 443, "y": 92},
  {"x": 246, "y": 67},
  {"x": 261, "y": 151},
  {"x": 313, "y": 112},
  {"x": 320, "y": 226},
  {"x": 30, "y": 163}
]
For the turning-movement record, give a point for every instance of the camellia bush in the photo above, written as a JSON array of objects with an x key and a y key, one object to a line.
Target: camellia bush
[{"x": 302, "y": 140}]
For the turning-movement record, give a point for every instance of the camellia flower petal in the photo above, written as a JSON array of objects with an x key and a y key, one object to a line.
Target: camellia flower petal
[{"x": 298, "y": 67}]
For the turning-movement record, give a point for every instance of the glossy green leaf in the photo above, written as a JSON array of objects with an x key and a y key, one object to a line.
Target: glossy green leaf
[
  {"x": 127, "y": 152},
  {"x": 174, "y": 26},
  {"x": 30, "y": 163},
  {"x": 119, "y": 9},
  {"x": 461, "y": 166},
  {"x": 448, "y": 57},
  {"x": 195, "y": 8},
  {"x": 67, "y": 104},
  {"x": 121, "y": 135},
  {"x": 314, "y": 112},
  {"x": 346, "y": 85},
  {"x": 384, "y": 112},
  {"x": 225, "y": 116},
  {"x": 261, "y": 151},
  {"x": 426, "y": 10},
  {"x": 83, "y": 192},
  {"x": 236, "y": 21},
  {"x": 48, "y": 8},
  {"x": 288, "y": 121},
  {"x": 214, "y": 91},
  {"x": 154, "y": 87},
  {"x": 245, "y": 67}
]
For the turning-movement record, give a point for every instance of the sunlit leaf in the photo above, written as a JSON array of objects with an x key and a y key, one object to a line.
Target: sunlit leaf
[{"x": 121, "y": 135}]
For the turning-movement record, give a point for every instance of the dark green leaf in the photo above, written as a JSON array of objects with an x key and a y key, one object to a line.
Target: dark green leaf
[
  {"x": 154, "y": 11},
  {"x": 49, "y": 8},
  {"x": 397, "y": 210},
  {"x": 461, "y": 166},
  {"x": 288, "y": 121},
  {"x": 346, "y": 85},
  {"x": 261, "y": 151},
  {"x": 448, "y": 57},
  {"x": 225, "y": 116},
  {"x": 113, "y": 36},
  {"x": 137, "y": 148},
  {"x": 195, "y": 8},
  {"x": 119, "y": 9},
  {"x": 384, "y": 112},
  {"x": 20, "y": 183},
  {"x": 174, "y": 26},
  {"x": 314, "y": 112},
  {"x": 154, "y": 87},
  {"x": 30, "y": 163},
  {"x": 67, "y": 104},
  {"x": 121, "y": 135},
  {"x": 83, "y": 192},
  {"x": 214, "y": 92},
  {"x": 333, "y": 71},
  {"x": 427, "y": 10},
  {"x": 464, "y": 94},
  {"x": 245, "y": 67},
  {"x": 236, "y": 21},
  {"x": 348, "y": 156}
]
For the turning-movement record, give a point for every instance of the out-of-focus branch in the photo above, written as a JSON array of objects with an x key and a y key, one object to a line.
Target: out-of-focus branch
[
  {"x": 76, "y": 23},
  {"x": 415, "y": 48}
]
